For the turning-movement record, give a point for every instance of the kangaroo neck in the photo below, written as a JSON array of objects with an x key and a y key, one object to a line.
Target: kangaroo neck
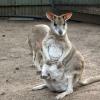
[{"x": 60, "y": 38}]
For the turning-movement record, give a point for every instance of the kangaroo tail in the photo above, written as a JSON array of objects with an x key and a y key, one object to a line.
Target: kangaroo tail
[{"x": 89, "y": 81}]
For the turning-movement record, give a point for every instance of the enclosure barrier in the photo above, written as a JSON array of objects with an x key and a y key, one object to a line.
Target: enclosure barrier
[{"x": 83, "y": 10}]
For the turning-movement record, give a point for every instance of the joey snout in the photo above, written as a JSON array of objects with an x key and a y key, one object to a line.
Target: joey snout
[
  {"x": 51, "y": 72},
  {"x": 44, "y": 72},
  {"x": 46, "y": 77}
]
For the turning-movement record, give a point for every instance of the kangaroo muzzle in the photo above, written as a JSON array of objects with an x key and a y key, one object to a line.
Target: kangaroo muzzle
[{"x": 60, "y": 32}]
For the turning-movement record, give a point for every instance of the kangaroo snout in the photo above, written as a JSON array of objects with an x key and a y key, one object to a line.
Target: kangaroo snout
[{"x": 60, "y": 32}]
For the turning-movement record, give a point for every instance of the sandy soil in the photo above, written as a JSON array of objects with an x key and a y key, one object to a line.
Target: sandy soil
[{"x": 17, "y": 76}]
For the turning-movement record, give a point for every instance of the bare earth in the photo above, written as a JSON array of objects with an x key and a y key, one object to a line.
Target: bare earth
[{"x": 17, "y": 76}]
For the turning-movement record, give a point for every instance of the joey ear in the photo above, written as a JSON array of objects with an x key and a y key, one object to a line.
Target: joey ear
[
  {"x": 67, "y": 16},
  {"x": 50, "y": 15}
]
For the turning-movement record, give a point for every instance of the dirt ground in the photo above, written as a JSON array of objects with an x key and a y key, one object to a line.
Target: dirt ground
[{"x": 17, "y": 76}]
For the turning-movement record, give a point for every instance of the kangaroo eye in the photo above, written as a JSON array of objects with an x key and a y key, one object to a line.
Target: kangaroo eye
[{"x": 55, "y": 24}]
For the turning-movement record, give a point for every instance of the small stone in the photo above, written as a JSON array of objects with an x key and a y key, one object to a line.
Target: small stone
[
  {"x": 17, "y": 68},
  {"x": 3, "y": 35},
  {"x": 2, "y": 93},
  {"x": 3, "y": 58},
  {"x": 7, "y": 80}
]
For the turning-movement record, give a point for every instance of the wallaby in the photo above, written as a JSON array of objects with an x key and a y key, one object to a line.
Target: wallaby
[
  {"x": 35, "y": 39},
  {"x": 62, "y": 63}
]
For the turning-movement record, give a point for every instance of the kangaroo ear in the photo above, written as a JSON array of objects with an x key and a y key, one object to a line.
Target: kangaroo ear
[
  {"x": 67, "y": 16},
  {"x": 50, "y": 15}
]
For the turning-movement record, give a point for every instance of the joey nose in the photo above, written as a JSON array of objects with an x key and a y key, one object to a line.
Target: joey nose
[
  {"x": 44, "y": 77},
  {"x": 60, "y": 32}
]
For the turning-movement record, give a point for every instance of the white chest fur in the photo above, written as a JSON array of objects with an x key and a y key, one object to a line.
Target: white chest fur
[{"x": 55, "y": 50}]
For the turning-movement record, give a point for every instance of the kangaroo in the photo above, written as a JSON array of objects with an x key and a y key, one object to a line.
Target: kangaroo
[
  {"x": 62, "y": 63},
  {"x": 35, "y": 39}
]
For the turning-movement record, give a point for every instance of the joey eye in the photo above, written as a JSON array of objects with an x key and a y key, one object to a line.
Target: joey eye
[{"x": 55, "y": 24}]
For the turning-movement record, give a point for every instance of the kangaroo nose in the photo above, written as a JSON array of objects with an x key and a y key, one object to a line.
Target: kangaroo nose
[{"x": 60, "y": 32}]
